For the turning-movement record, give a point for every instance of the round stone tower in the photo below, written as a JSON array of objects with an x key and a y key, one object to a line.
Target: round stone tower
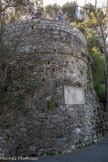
[{"x": 50, "y": 75}]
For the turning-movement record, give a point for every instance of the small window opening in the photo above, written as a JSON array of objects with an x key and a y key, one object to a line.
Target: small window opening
[
  {"x": 48, "y": 62},
  {"x": 53, "y": 69},
  {"x": 54, "y": 50},
  {"x": 32, "y": 27},
  {"x": 43, "y": 79}
]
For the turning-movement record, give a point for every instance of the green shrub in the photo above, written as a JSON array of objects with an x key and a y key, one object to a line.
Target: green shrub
[
  {"x": 98, "y": 64},
  {"x": 51, "y": 153}
]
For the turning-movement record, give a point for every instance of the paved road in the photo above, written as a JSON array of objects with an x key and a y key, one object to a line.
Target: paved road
[{"x": 97, "y": 153}]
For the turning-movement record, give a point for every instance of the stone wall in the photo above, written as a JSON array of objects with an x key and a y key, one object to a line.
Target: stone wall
[
  {"x": 105, "y": 116},
  {"x": 54, "y": 106}
]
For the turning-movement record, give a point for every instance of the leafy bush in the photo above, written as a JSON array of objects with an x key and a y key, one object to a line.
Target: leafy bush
[{"x": 98, "y": 64}]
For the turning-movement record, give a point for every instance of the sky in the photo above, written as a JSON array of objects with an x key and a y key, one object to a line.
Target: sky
[{"x": 79, "y": 2}]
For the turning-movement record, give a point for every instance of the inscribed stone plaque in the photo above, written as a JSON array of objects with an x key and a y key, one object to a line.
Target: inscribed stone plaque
[{"x": 74, "y": 95}]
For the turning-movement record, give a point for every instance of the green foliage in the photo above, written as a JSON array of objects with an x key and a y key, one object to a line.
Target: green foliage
[
  {"x": 91, "y": 38},
  {"x": 104, "y": 113},
  {"x": 51, "y": 104},
  {"x": 3, "y": 52},
  {"x": 8, "y": 137},
  {"x": 13, "y": 9},
  {"x": 34, "y": 84},
  {"x": 79, "y": 84},
  {"x": 51, "y": 153},
  {"x": 98, "y": 66},
  {"x": 95, "y": 50},
  {"x": 52, "y": 10},
  {"x": 18, "y": 89},
  {"x": 71, "y": 10},
  {"x": 3, "y": 61},
  {"x": 3, "y": 30},
  {"x": 1, "y": 112},
  {"x": 87, "y": 9},
  {"x": 88, "y": 70},
  {"x": 60, "y": 153},
  {"x": 14, "y": 98}
]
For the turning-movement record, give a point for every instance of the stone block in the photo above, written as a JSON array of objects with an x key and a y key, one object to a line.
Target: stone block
[{"x": 74, "y": 95}]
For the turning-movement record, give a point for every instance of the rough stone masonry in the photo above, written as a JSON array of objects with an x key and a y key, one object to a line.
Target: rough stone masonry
[{"x": 54, "y": 107}]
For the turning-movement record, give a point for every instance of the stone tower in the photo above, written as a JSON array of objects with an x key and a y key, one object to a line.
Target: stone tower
[{"x": 50, "y": 75}]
